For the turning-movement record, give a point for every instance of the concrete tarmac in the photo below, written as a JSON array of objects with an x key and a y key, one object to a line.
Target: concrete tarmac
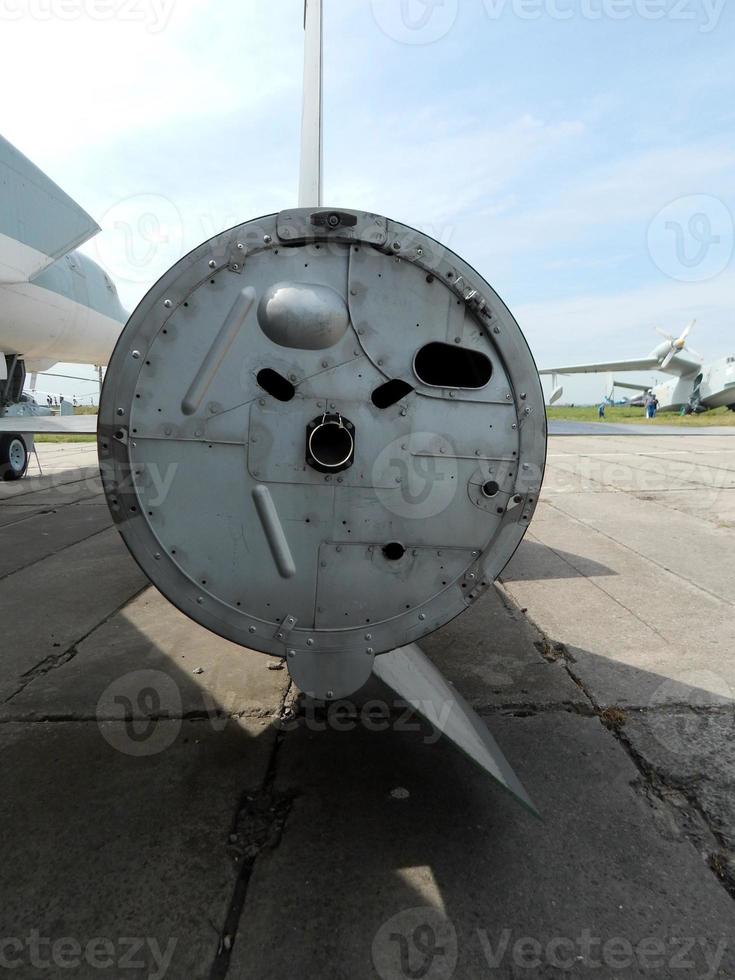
[{"x": 171, "y": 808}]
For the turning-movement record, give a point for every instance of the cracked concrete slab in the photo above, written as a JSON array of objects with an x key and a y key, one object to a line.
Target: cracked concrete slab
[
  {"x": 147, "y": 638},
  {"x": 103, "y": 841},
  {"x": 54, "y": 604},
  {"x": 491, "y": 654},
  {"x": 317, "y": 843},
  {"x": 638, "y": 617},
  {"x": 690, "y": 750},
  {"x": 23, "y": 544},
  {"x": 453, "y": 852}
]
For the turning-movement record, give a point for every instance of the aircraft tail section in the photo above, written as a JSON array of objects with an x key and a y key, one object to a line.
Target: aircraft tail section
[{"x": 39, "y": 223}]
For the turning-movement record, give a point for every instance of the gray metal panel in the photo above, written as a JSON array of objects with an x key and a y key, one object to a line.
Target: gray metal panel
[{"x": 203, "y": 539}]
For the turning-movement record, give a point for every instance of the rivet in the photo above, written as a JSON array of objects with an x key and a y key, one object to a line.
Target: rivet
[
  {"x": 523, "y": 395},
  {"x": 452, "y": 394},
  {"x": 330, "y": 694},
  {"x": 240, "y": 246},
  {"x": 323, "y": 564},
  {"x": 168, "y": 304},
  {"x": 422, "y": 616},
  {"x": 121, "y": 411},
  {"x": 508, "y": 397},
  {"x": 136, "y": 355},
  {"x": 368, "y": 636},
  {"x": 496, "y": 329},
  {"x": 404, "y": 412},
  {"x": 200, "y": 601},
  {"x": 310, "y": 642},
  {"x": 369, "y": 651},
  {"x": 325, "y": 364},
  {"x": 252, "y": 630},
  {"x": 458, "y": 340},
  {"x": 292, "y": 653},
  {"x": 212, "y": 264},
  {"x": 267, "y": 239}
]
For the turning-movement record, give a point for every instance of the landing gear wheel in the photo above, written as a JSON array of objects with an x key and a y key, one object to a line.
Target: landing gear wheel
[{"x": 13, "y": 457}]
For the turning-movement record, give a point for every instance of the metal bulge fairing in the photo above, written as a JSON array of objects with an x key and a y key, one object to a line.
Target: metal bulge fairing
[{"x": 322, "y": 436}]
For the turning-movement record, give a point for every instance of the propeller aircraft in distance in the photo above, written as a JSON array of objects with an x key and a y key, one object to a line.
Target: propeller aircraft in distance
[{"x": 696, "y": 385}]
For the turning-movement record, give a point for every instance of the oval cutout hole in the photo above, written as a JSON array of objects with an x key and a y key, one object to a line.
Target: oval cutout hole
[
  {"x": 394, "y": 551},
  {"x": 390, "y": 393},
  {"x": 276, "y": 385},
  {"x": 448, "y": 366}
]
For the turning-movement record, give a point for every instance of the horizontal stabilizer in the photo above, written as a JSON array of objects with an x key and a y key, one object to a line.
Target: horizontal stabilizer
[
  {"x": 57, "y": 425},
  {"x": 39, "y": 223},
  {"x": 631, "y": 387},
  {"x": 414, "y": 678}
]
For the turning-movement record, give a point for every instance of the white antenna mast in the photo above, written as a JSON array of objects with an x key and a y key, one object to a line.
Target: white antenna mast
[{"x": 310, "y": 178}]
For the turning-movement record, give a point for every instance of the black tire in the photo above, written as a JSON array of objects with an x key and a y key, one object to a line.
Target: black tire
[{"x": 13, "y": 457}]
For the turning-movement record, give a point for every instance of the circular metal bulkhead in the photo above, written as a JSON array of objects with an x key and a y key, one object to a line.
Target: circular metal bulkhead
[{"x": 321, "y": 440}]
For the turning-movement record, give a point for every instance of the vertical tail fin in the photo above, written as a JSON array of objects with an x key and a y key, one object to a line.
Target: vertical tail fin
[{"x": 310, "y": 179}]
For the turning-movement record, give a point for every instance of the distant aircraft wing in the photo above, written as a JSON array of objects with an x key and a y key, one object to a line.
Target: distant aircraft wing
[
  {"x": 603, "y": 367},
  {"x": 57, "y": 425},
  {"x": 38, "y": 221}
]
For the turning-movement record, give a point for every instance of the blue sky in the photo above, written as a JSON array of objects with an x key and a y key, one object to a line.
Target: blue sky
[{"x": 557, "y": 145}]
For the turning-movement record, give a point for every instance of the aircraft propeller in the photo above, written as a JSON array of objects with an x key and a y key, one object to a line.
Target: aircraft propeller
[{"x": 678, "y": 344}]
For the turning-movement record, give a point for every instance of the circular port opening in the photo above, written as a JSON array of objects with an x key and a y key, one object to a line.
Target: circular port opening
[
  {"x": 394, "y": 551},
  {"x": 331, "y": 445},
  {"x": 490, "y": 488}
]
